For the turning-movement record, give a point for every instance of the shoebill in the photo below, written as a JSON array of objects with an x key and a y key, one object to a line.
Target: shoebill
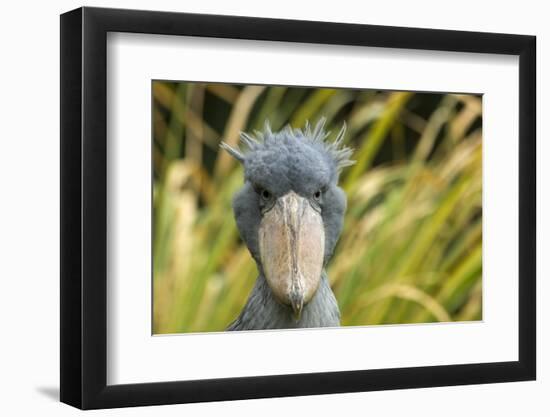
[{"x": 290, "y": 213}]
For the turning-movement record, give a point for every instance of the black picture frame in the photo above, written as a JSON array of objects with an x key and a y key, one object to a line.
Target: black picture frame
[{"x": 84, "y": 207}]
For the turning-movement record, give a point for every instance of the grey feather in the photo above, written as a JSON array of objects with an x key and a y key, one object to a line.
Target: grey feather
[{"x": 233, "y": 152}]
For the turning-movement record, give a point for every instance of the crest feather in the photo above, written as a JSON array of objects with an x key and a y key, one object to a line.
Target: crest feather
[
  {"x": 235, "y": 153},
  {"x": 338, "y": 152}
]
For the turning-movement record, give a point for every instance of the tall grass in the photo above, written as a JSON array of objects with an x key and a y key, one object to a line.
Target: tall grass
[{"x": 410, "y": 250}]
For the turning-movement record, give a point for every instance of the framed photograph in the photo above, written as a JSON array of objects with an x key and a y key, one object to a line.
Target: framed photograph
[{"x": 255, "y": 208}]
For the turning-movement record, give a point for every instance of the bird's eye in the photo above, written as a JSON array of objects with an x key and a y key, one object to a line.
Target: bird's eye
[
  {"x": 317, "y": 195},
  {"x": 266, "y": 195}
]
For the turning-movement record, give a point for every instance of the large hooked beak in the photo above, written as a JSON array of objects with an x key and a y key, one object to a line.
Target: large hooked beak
[{"x": 292, "y": 243}]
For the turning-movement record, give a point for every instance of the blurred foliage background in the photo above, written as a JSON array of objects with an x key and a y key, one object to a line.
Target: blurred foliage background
[{"x": 410, "y": 250}]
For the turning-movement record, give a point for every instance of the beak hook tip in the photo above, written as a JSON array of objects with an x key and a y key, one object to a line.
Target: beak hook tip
[{"x": 297, "y": 306}]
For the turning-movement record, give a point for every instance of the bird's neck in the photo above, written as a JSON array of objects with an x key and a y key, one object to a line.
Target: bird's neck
[{"x": 263, "y": 311}]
